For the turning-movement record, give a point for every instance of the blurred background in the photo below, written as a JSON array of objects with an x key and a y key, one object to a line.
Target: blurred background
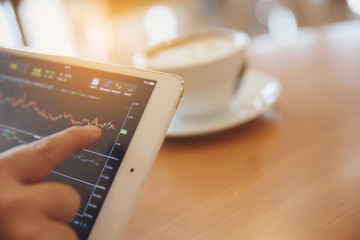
[{"x": 113, "y": 30}]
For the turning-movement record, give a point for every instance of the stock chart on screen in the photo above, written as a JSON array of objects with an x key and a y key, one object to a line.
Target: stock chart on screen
[{"x": 39, "y": 98}]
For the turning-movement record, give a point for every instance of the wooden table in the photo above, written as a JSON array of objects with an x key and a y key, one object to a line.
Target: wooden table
[{"x": 293, "y": 173}]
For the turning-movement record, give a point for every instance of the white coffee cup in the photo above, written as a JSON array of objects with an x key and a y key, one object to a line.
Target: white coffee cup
[{"x": 209, "y": 62}]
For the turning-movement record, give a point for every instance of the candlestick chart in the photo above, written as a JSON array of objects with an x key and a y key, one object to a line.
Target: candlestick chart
[{"x": 25, "y": 103}]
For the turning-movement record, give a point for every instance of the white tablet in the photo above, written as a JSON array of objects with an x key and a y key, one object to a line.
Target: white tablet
[{"x": 43, "y": 94}]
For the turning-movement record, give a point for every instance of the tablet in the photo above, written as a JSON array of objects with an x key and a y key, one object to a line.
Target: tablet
[{"x": 42, "y": 94}]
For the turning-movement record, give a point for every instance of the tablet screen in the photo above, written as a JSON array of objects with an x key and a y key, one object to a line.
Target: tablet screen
[{"x": 39, "y": 98}]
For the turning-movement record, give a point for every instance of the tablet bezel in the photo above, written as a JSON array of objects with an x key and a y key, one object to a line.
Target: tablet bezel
[{"x": 143, "y": 148}]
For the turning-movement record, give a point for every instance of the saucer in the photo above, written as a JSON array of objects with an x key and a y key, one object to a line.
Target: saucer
[{"x": 257, "y": 93}]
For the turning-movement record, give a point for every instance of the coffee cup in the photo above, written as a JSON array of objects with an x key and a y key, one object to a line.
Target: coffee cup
[{"x": 208, "y": 60}]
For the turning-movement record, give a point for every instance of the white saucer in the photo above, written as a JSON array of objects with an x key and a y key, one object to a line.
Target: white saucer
[{"x": 257, "y": 93}]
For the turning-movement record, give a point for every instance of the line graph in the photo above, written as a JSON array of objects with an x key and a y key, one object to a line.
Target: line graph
[
  {"x": 24, "y": 103},
  {"x": 84, "y": 159},
  {"x": 84, "y": 166}
]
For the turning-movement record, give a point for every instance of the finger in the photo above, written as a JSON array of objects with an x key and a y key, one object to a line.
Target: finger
[
  {"x": 40, "y": 228},
  {"x": 32, "y": 162},
  {"x": 59, "y": 231},
  {"x": 57, "y": 201}
]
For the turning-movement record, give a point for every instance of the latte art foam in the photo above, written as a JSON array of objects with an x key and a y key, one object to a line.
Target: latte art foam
[{"x": 192, "y": 51}]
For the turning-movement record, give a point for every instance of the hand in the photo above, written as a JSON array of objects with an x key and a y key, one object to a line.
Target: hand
[{"x": 30, "y": 209}]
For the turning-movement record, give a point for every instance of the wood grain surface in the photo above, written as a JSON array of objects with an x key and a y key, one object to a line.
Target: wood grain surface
[{"x": 293, "y": 173}]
